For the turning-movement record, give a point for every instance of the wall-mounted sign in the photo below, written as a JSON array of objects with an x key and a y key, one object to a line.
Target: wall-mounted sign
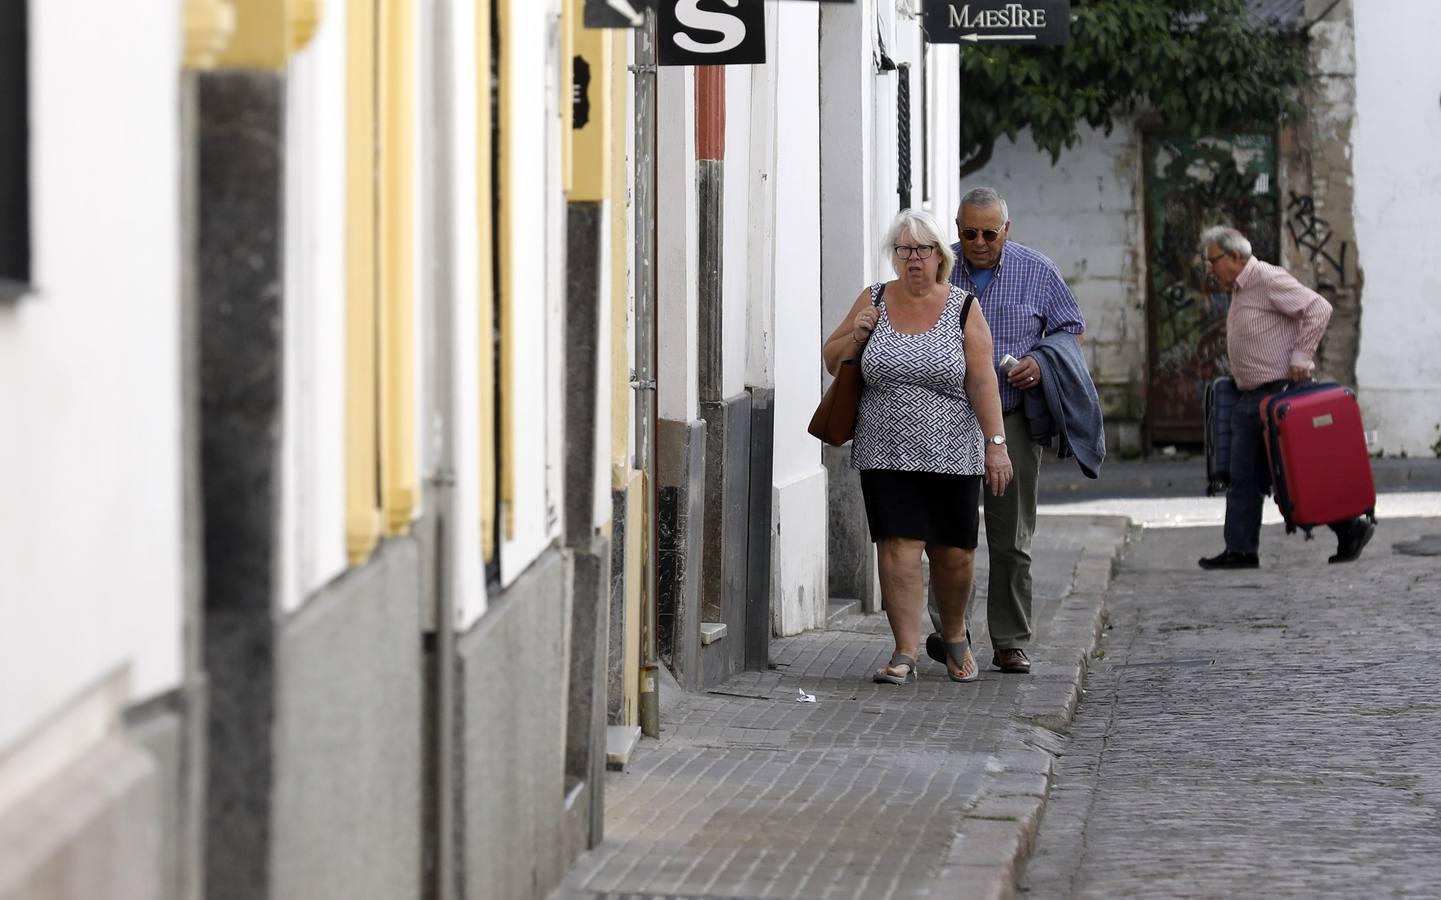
[
  {"x": 1036, "y": 23},
  {"x": 710, "y": 32},
  {"x": 615, "y": 13},
  {"x": 631, "y": 13}
]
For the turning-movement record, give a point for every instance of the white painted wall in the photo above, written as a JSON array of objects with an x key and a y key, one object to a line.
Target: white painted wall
[
  {"x": 736, "y": 251},
  {"x": 847, "y": 72},
  {"x": 760, "y": 236},
  {"x": 462, "y": 184},
  {"x": 943, "y": 104},
  {"x": 312, "y": 542},
  {"x": 533, "y": 273},
  {"x": 677, "y": 269},
  {"x": 940, "y": 107},
  {"x": 90, "y": 527},
  {"x": 878, "y": 88},
  {"x": 556, "y": 125},
  {"x": 933, "y": 80},
  {"x": 1085, "y": 213},
  {"x": 798, "y": 598},
  {"x": 1398, "y": 180},
  {"x": 797, "y": 273}
]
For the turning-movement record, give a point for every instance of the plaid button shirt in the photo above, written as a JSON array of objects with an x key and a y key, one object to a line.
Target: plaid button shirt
[{"x": 1026, "y": 300}]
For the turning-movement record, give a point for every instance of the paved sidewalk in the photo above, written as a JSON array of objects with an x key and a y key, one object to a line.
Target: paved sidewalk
[{"x": 933, "y": 789}]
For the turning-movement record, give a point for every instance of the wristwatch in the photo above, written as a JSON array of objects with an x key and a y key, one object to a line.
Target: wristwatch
[{"x": 997, "y": 439}]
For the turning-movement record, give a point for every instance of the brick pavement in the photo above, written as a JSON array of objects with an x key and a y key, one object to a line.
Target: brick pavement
[
  {"x": 1268, "y": 732},
  {"x": 933, "y": 789}
]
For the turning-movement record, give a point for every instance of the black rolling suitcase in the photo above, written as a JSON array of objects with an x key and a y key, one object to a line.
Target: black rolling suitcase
[{"x": 1218, "y": 398}]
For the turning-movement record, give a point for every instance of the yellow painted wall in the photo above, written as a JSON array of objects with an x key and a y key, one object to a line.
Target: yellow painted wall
[
  {"x": 362, "y": 491},
  {"x": 620, "y": 249},
  {"x": 260, "y": 40},
  {"x": 485, "y": 274},
  {"x": 382, "y": 489},
  {"x": 570, "y": 22},
  {"x": 400, "y": 488},
  {"x": 637, "y": 581},
  {"x": 507, "y": 345},
  {"x": 208, "y": 26},
  {"x": 636, "y": 567},
  {"x": 266, "y": 32},
  {"x": 589, "y": 147},
  {"x": 598, "y": 175}
]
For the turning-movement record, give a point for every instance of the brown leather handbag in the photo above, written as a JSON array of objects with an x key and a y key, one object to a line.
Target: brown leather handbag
[{"x": 834, "y": 421}]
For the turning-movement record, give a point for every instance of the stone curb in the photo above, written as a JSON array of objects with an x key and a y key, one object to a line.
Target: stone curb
[{"x": 989, "y": 854}]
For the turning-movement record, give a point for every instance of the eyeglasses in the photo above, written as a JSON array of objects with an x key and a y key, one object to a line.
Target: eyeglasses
[
  {"x": 909, "y": 251},
  {"x": 1211, "y": 260},
  {"x": 990, "y": 234}
]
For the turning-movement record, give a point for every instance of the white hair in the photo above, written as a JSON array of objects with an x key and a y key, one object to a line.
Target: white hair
[
  {"x": 1228, "y": 239},
  {"x": 924, "y": 228},
  {"x": 985, "y": 198}
]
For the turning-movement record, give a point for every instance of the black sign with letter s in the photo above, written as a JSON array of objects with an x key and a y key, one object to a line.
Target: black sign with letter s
[{"x": 711, "y": 32}]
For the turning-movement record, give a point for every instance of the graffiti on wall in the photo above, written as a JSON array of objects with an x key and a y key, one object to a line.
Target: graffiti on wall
[{"x": 1313, "y": 235}]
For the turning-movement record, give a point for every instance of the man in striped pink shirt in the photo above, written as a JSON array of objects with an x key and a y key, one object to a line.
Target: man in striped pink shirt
[{"x": 1272, "y": 330}]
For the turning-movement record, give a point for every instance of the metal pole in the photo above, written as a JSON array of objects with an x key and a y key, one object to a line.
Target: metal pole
[
  {"x": 440, "y": 479},
  {"x": 647, "y": 409}
]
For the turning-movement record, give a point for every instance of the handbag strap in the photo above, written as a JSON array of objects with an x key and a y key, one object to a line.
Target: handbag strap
[{"x": 966, "y": 308}]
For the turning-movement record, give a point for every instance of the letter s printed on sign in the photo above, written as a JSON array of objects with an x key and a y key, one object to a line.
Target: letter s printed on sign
[{"x": 689, "y": 14}]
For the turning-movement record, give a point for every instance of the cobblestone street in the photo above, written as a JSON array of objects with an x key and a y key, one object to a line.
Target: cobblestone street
[{"x": 1263, "y": 733}]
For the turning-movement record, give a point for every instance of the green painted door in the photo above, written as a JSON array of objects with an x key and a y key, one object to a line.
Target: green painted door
[{"x": 1193, "y": 183}]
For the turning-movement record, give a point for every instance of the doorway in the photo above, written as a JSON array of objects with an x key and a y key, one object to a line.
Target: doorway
[{"x": 1192, "y": 183}]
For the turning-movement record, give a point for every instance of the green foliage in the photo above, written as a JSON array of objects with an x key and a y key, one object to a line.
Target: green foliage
[{"x": 1201, "y": 66}]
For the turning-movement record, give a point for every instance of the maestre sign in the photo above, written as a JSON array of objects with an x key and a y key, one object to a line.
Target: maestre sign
[{"x": 1044, "y": 23}]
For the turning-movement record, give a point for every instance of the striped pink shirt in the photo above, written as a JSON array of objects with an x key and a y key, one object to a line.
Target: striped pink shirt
[{"x": 1275, "y": 322}]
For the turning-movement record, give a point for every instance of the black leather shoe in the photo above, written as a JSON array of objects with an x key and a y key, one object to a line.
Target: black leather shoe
[
  {"x": 1351, "y": 543},
  {"x": 1231, "y": 560}
]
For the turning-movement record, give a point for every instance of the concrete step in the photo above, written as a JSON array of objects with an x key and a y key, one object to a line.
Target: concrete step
[
  {"x": 620, "y": 743},
  {"x": 839, "y": 608}
]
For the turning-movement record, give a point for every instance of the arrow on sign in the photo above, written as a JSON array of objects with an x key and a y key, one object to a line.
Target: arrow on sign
[
  {"x": 625, "y": 9},
  {"x": 973, "y": 37}
]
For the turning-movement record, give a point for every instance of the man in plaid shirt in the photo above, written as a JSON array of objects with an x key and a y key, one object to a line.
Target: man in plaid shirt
[
  {"x": 1273, "y": 328},
  {"x": 1024, "y": 299}
]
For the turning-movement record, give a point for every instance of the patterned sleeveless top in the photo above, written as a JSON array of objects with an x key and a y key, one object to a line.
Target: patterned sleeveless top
[{"x": 914, "y": 414}]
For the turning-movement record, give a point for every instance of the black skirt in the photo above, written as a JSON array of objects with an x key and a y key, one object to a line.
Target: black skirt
[{"x": 925, "y": 506}]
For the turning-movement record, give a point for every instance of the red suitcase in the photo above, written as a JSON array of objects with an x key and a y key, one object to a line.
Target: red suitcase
[{"x": 1320, "y": 470}]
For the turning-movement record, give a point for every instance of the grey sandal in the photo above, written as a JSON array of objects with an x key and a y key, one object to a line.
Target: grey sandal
[
  {"x": 899, "y": 659},
  {"x": 940, "y": 651}
]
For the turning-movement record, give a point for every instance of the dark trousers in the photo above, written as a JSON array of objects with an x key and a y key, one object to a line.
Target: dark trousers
[
  {"x": 1251, "y": 474},
  {"x": 1010, "y": 523}
]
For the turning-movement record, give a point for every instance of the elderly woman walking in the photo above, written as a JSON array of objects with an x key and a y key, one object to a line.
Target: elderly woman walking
[{"x": 928, "y": 433}]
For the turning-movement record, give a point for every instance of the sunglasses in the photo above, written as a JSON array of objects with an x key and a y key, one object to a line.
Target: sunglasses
[
  {"x": 1211, "y": 260},
  {"x": 989, "y": 234}
]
